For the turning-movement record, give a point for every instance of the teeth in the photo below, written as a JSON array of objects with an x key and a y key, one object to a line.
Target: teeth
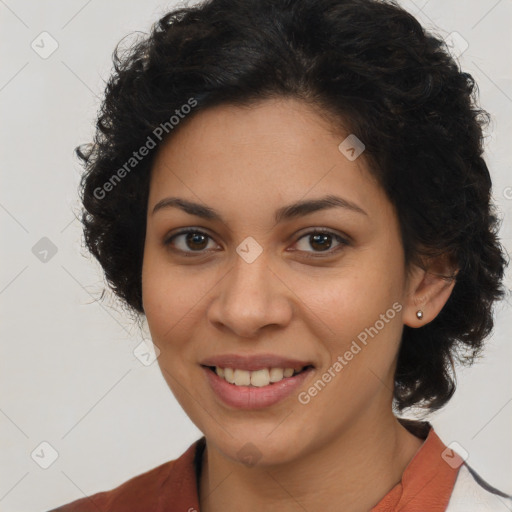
[
  {"x": 260, "y": 378},
  {"x": 229, "y": 375},
  {"x": 257, "y": 378},
  {"x": 276, "y": 374},
  {"x": 242, "y": 378}
]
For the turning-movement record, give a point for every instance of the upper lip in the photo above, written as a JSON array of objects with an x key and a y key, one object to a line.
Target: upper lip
[{"x": 253, "y": 362}]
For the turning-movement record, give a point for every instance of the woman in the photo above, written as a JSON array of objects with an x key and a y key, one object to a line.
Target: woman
[{"x": 293, "y": 194}]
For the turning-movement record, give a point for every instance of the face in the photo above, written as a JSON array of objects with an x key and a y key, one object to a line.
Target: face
[{"x": 252, "y": 286}]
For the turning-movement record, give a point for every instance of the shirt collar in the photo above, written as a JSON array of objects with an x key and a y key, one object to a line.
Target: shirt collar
[{"x": 426, "y": 484}]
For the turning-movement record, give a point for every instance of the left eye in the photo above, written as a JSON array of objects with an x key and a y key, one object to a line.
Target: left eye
[
  {"x": 322, "y": 239},
  {"x": 197, "y": 241}
]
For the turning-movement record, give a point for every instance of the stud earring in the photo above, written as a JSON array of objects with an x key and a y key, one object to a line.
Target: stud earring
[{"x": 419, "y": 314}]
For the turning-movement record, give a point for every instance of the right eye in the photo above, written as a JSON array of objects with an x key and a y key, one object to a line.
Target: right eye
[{"x": 189, "y": 241}]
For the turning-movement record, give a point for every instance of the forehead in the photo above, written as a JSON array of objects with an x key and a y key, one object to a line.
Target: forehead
[{"x": 268, "y": 154}]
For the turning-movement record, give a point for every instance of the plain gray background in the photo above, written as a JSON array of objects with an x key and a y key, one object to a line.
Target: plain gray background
[{"x": 68, "y": 373}]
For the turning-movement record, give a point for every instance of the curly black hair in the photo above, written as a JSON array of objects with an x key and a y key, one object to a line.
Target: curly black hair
[{"x": 365, "y": 65}]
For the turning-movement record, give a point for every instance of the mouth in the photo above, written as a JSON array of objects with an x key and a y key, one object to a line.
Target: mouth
[
  {"x": 256, "y": 378},
  {"x": 255, "y": 389}
]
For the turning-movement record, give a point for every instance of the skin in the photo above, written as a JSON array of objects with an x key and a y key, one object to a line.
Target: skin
[{"x": 246, "y": 162}]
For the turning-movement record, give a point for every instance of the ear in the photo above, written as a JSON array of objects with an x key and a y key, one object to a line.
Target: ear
[{"x": 428, "y": 288}]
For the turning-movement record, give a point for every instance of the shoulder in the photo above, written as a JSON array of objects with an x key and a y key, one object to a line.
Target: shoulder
[
  {"x": 142, "y": 490},
  {"x": 471, "y": 493},
  {"x": 170, "y": 486}
]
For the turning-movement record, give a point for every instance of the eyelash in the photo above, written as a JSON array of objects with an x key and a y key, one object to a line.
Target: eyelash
[{"x": 316, "y": 254}]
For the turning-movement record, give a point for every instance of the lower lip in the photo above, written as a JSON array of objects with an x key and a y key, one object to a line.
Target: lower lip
[{"x": 249, "y": 397}]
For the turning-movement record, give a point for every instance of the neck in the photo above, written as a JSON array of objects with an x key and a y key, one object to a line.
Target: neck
[{"x": 351, "y": 472}]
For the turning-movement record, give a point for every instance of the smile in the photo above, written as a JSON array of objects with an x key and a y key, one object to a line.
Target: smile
[
  {"x": 257, "y": 378},
  {"x": 254, "y": 389}
]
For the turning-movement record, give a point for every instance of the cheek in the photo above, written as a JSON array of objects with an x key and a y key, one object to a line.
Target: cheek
[
  {"x": 174, "y": 304},
  {"x": 362, "y": 340},
  {"x": 351, "y": 301},
  {"x": 164, "y": 297},
  {"x": 167, "y": 293},
  {"x": 169, "y": 300},
  {"x": 358, "y": 310}
]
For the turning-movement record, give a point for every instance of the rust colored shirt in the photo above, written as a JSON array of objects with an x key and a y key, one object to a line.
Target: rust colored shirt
[{"x": 435, "y": 480}]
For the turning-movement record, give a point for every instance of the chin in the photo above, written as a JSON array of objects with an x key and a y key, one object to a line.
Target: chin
[{"x": 256, "y": 447}]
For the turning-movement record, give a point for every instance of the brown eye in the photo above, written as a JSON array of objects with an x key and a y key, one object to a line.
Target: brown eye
[
  {"x": 321, "y": 241},
  {"x": 192, "y": 241},
  {"x": 189, "y": 241}
]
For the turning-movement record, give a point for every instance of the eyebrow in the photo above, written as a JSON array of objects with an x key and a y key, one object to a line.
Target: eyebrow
[{"x": 284, "y": 213}]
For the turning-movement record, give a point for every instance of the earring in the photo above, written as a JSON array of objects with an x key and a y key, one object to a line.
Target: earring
[{"x": 419, "y": 314}]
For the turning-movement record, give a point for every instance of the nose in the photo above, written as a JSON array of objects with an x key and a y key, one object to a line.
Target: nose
[{"x": 249, "y": 298}]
